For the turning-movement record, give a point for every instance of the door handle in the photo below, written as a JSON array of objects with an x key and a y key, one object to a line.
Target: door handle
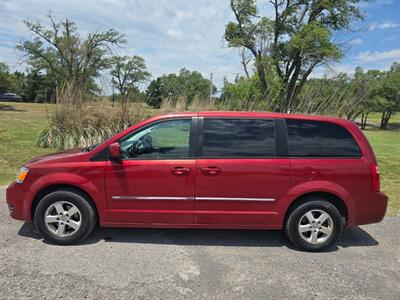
[
  {"x": 211, "y": 170},
  {"x": 180, "y": 170}
]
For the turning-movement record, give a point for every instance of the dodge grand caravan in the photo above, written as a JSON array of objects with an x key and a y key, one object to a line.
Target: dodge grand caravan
[{"x": 309, "y": 175}]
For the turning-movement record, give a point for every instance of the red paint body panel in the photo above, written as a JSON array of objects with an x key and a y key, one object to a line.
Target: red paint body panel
[
  {"x": 179, "y": 200},
  {"x": 150, "y": 178},
  {"x": 241, "y": 178}
]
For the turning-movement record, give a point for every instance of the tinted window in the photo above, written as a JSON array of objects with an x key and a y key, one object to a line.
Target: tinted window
[
  {"x": 320, "y": 139},
  {"x": 169, "y": 139},
  {"x": 238, "y": 138}
]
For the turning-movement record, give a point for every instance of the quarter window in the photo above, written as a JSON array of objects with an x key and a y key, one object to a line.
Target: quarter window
[
  {"x": 320, "y": 139},
  {"x": 224, "y": 138},
  {"x": 163, "y": 140}
]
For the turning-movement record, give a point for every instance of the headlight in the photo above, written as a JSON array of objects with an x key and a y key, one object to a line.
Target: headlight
[{"x": 22, "y": 174}]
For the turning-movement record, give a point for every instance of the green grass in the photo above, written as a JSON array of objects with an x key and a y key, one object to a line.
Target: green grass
[
  {"x": 375, "y": 118},
  {"x": 386, "y": 145},
  {"x": 20, "y": 123}
]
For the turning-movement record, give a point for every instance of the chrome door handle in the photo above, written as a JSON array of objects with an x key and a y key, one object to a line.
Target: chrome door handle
[
  {"x": 211, "y": 170},
  {"x": 180, "y": 170}
]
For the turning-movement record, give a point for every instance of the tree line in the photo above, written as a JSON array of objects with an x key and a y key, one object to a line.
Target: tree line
[{"x": 278, "y": 56}]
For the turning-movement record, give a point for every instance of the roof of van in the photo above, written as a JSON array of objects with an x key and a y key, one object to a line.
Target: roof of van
[{"x": 255, "y": 115}]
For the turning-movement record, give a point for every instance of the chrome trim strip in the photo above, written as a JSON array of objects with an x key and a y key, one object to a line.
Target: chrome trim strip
[
  {"x": 190, "y": 198},
  {"x": 150, "y": 198},
  {"x": 235, "y": 199}
]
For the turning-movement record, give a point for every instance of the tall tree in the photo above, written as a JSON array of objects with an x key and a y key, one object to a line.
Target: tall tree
[
  {"x": 292, "y": 43},
  {"x": 59, "y": 50},
  {"x": 127, "y": 72}
]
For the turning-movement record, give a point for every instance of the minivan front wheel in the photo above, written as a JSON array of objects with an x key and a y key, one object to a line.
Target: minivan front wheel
[
  {"x": 314, "y": 225},
  {"x": 64, "y": 217}
]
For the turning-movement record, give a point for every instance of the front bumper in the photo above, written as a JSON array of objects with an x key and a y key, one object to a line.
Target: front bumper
[{"x": 16, "y": 199}]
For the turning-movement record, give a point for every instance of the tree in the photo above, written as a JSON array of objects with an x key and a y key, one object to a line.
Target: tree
[
  {"x": 293, "y": 43},
  {"x": 5, "y": 82},
  {"x": 390, "y": 91},
  {"x": 366, "y": 87},
  {"x": 187, "y": 84},
  {"x": 327, "y": 95},
  {"x": 59, "y": 50},
  {"x": 127, "y": 72},
  {"x": 242, "y": 94},
  {"x": 36, "y": 86},
  {"x": 192, "y": 83},
  {"x": 155, "y": 92}
]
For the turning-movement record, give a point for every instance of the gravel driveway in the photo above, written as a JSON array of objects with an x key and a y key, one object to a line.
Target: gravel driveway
[{"x": 229, "y": 264}]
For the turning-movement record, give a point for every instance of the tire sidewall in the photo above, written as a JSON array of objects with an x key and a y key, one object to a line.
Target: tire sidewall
[
  {"x": 294, "y": 219},
  {"x": 87, "y": 217}
]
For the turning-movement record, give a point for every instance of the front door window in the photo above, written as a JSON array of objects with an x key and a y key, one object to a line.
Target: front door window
[{"x": 163, "y": 140}]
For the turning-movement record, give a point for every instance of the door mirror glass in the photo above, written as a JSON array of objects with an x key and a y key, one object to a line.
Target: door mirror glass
[{"x": 114, "y": 150}]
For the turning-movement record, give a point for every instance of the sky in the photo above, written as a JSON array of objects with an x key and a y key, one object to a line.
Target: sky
[{"x": 172, "y": 34}]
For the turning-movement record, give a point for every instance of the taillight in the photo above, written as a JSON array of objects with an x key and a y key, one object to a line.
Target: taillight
[{"x": 375, "y": 180}]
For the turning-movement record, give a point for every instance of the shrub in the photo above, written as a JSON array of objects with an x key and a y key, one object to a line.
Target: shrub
[{"x": 81, "y": 119}]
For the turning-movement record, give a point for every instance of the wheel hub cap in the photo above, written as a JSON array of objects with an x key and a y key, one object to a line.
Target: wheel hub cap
[
  {"x": 63, "y": 218},
  {"x": 315, "y": 226}
]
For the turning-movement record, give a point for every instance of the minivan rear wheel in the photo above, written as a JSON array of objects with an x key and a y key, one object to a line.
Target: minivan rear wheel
[
  {"x": 64, "y": 217},
  {"x": 314, "y": 225}
]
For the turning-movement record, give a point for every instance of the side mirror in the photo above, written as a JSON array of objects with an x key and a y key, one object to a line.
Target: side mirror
[{"x": 114, "y": 151}]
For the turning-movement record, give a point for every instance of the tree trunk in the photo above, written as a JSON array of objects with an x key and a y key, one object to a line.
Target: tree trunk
[
  {"x": 364, "y": 117},
  {"x": 385, "y": 119},
  {"x": 261, "y": 75},
  {"x": 383, "y": 126},
  {"x": 282, "y": 98}
]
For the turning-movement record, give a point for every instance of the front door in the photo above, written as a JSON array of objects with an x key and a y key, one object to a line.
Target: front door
[
  {"x": 239, "y": 178},
  {"x": 153, "y": 182}
]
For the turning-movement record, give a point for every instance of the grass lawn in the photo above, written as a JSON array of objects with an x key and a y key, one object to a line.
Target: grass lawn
[
  {"x": 386, "y": 145},
  {"x": 375, "y": 118},
  {"x": 20, "y": 123}
]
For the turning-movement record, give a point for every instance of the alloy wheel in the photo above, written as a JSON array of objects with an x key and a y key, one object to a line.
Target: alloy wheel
[
  {"x": 315, "y": 226},
  {"x": 63, "y": 218}
]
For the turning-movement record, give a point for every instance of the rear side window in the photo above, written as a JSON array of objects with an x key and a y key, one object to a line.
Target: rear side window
[
  {"x": 245, "y": 138},
  {"x": 320, "y": 139}
]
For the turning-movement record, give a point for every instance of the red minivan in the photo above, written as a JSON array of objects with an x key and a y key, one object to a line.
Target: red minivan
[{"x": 309, "y": 175}]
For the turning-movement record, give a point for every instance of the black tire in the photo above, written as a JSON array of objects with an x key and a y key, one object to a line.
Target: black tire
[
  {"x": 87, "y": 217},
  {"x": 296, "y": 215}
]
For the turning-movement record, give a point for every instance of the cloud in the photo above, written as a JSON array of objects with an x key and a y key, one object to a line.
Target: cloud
[
  {"x": 384, "y": 25},
  {"x": 376, "y": 56},
  {"x": 176, "y": 33},
  {"x": 170, "y": 35},
  {"x": 356, "y": 41},
  {"x": 333, "y": 70},
  {"x": 373, "y": 4}
]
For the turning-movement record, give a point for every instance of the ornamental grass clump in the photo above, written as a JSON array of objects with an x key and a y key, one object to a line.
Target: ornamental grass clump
[{"x": 82, "y": 119}]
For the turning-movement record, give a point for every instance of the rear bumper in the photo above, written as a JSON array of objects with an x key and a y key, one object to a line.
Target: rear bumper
[
  {"x": 372, "y": 209},
  {"x": 16, "y": 199}
]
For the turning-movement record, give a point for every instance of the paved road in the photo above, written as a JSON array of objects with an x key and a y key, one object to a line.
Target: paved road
[{"x": 178, "y": 264}]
